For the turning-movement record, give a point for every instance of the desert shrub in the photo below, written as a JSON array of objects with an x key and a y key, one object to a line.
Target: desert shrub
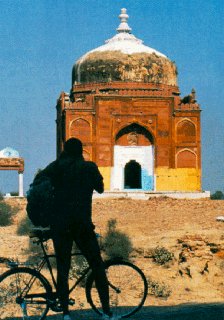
[
  {"x": 78, "y": 265},
  {"x": 24, "y": 226},
  {"x": 14, "y": 193},
  {"x": 34, "y": 253},
  {"x": 1, "y": 196},
  {"x": 214, "y": 247},
  {"x": 6, "y": 213},
  {"x": 161, "y": 255},
  {"x": 157, "y": 289},
  {"x": 218, "y": 195},
  {"x": 116, "y": 244}
]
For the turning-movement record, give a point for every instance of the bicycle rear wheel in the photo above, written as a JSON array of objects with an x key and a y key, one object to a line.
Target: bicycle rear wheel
[
  {"x": 23, "y": 294},
  {"x": 127, "y": 288}
]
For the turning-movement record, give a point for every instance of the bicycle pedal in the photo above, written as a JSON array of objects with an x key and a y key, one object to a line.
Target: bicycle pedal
[
  {"x": 56, "y": 308},
  {"x": 55, "y": 305},
  {"x": 71, "y": 302}
]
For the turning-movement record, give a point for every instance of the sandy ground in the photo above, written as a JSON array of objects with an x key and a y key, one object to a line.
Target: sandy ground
[{"x": 187, "y": 228}]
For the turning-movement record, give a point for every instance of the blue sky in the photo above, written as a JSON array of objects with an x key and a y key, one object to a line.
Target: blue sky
[{"x": 42, "y": 39}]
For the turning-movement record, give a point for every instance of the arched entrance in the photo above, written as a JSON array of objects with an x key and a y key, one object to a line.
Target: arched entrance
[
  {"x": 132, "y": 175},
  {"x": 133, "y": 159}
]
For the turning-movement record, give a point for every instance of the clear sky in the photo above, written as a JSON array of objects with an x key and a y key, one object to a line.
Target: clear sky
[{"x": 42, "y": 39}]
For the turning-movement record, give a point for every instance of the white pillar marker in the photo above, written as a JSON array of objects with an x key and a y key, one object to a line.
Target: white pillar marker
[{"x": 20, "y": 184}]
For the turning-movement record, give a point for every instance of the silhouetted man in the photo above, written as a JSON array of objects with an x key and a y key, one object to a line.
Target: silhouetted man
[{"x": 74, "y": 180}]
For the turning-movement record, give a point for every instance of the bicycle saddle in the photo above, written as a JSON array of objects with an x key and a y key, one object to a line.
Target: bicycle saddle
[{"x": 41, "y": 234}]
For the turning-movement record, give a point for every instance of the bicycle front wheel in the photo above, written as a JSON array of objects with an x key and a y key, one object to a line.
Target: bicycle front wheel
[
  {"x": 23, "y": 294},
  {"x": 127, "y": 289}
]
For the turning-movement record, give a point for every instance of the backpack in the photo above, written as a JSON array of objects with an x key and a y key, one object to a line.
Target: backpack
[{"x": 40, "y": 201}]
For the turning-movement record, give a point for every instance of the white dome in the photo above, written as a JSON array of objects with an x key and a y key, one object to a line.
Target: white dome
[
  {"x": 126, "y": 43},
  {"x": 124, "y": 58},
  {"x": 123, "y": 41},
  {"x": 9, "y": 153}
]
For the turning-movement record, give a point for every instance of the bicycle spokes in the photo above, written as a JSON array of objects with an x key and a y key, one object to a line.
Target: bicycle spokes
[
  {"x": 23, "y": 295},
  {"x": 116, "y": 289},
  {"x": 127, "y": 289}
]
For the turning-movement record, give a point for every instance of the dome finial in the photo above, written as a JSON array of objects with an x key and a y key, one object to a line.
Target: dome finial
[{"x": 124, "y": 27}]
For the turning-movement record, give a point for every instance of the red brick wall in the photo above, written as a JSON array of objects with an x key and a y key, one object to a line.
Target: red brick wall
[{"x": 97, "y": 114}]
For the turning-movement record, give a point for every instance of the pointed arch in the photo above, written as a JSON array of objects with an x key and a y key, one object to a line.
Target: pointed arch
[
  {"x": 134, "y": 134},
  {"x": 80, "y": 128},
  {"x": 186, "y": 158},
  {"x": 186, "y": 131}
]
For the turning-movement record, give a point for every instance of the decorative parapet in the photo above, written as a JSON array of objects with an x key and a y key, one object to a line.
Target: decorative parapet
[
  {"x": 63, "y": 101},
  {"x": 188, "y": 107},
  {"x": 188, "y": 103},
  {"x": 82, "y": 95},
  {"x": 92, "y": 86}
]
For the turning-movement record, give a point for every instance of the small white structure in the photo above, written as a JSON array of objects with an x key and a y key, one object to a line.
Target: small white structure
[
  {"x": 10, "y": 160},
  {"x": 9, "y": 153}
]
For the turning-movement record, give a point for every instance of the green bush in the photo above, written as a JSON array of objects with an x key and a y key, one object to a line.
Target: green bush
[
  {"x": 24, "y": 226},
  {"x": 218, "y": 195},
  {"x": 34, "y": 253},
  {"x": 161, "y": 255},
  {"x": 116, "y": 244},
  {"x": 78, "y": 265},
  {"x": 1, "y": 196},
  {"x": 159, "y": 290},
  {"x": 6, "y": 214},
  {"x": 14, "y": 193}
]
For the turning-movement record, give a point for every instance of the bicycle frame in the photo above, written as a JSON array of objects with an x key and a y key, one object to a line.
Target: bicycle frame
[
  {"x": 46, "y": 260},
  {"x": 47, "y": 297}
]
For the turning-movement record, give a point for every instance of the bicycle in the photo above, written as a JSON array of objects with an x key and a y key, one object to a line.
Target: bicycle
[{"x": 25, "y": 292}]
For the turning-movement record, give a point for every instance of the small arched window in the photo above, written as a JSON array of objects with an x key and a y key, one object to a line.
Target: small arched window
[{"x": 186, "y": 132}]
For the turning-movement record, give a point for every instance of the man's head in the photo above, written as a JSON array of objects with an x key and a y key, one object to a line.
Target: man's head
[{"x": 73, "y": 147}]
